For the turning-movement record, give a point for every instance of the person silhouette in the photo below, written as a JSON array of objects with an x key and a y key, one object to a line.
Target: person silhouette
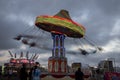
[
  {"x": 23, "y": 72},
  {"x": 30, "y": 74},
  {"x": 36, "y": 72},
  {"x": 79, "y": 75}
]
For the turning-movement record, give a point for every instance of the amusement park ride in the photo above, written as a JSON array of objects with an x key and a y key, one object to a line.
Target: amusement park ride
[
  {"x": 59, "y": 26},
  {"x": 16, "y": 61},
  {"x": 22, "y": 58}
]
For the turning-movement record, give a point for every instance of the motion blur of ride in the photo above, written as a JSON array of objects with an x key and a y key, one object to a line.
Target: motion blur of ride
[
  {"x": 62, "y": 24},
  {"x": 60, "y": 27}
]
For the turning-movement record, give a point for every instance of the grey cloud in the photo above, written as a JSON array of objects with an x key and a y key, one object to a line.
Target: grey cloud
[{"x": 109, "y": 7}]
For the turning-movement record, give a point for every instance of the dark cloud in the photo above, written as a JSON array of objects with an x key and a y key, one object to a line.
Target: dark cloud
[{"x": 109, "y": 7}]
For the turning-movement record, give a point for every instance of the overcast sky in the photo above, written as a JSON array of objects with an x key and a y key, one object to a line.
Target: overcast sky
[{"x": 101, "y": 18}]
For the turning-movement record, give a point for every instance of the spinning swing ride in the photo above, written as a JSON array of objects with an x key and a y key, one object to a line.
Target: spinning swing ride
[{"x": 59, "y": 26}]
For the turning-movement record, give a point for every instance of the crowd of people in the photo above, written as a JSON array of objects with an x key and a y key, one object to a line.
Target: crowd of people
[
  {"x": 22, "y": 73},
  {"x": 34, "y": 73}
]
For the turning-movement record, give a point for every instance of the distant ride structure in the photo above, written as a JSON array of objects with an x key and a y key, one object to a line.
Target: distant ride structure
[
  {"x": 60, "y": 26},
  {"x": 16, "y": 61}
]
